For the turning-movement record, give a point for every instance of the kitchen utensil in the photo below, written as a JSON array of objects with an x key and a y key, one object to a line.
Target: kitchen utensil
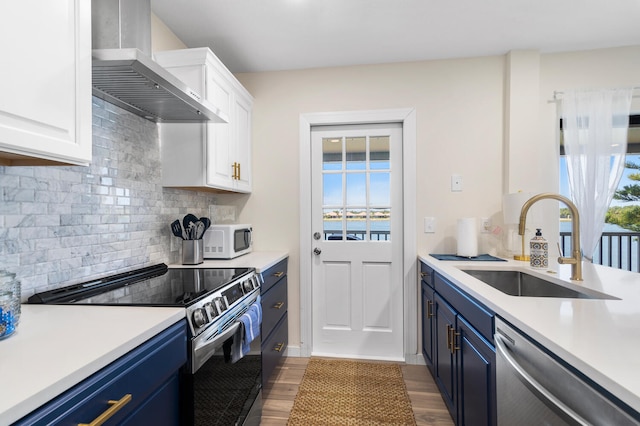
[
  {"x": 188, "y": 223},
  {"x": 200, "y": 228},
  {"x": 206, "y": 221},
  {"x": 176, "y": 228}
]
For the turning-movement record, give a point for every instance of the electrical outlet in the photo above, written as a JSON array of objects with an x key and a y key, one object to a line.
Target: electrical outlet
[
  {"x": 429, "y": 225},
  {"x": 456, "y": 183},
  {"x": 485, "y": 225}
]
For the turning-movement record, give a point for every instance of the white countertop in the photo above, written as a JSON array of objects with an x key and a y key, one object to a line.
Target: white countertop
[
  {"x": 55, "y": 347},
  {"x": 601, "y": 338},
  {"x": 261, "y": 260}
]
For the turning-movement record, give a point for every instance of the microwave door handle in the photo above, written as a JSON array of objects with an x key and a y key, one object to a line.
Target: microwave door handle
[
  {"x": 535, "y": 387},
  {"x": 204, "y": 348}
]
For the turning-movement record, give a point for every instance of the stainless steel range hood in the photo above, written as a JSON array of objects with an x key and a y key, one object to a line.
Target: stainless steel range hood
[{"x": 125, "y": 75}]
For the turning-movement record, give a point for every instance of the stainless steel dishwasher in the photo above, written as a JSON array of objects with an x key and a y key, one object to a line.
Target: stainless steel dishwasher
[{"x": 533, "y": 388}]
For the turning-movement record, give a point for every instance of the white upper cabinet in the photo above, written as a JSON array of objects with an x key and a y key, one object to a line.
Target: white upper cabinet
[
  {"x": 207, "y": 156},
  {"x": 45, "y": 89}
]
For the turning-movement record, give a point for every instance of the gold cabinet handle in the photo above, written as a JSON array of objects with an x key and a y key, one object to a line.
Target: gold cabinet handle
[
  {"x": 278, "y": 274},
  {"x": 423, "y": 274},
  {"x": 429, "y": 309},
  {"x": 278, "y": 305},
  {"x": 234, "y": 166},
  {"x": 278, "y": 347},
  {"x": 454, "y": 334},
  {"x": 239, "y": 174},
  {"x": 109, "y": 412}
]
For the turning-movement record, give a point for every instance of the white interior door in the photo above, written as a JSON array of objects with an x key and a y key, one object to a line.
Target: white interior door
[{"x": 357, "y": 283}]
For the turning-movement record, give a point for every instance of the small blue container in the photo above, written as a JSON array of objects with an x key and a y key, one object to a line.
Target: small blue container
[
  {"x": 7, "y": 317},
  {"x": 9, "y": 304}
]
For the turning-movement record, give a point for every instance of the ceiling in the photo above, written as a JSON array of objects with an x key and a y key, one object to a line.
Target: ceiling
[{"x": 270, "y": 35}]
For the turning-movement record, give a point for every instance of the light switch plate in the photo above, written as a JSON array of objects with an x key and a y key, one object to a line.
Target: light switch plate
[{"x": 429, "y": 225}]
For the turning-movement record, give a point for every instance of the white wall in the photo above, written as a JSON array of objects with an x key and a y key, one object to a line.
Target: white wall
[
  {"x": 461, "y": 107},
  {"x": 459, "y": 130},
  {"x": 488, "y": 119}
]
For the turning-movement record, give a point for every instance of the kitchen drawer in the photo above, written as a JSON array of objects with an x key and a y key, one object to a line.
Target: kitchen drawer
[
  {"x": 475, "y": 313},
  {"x": 274, "y": 306},
  {"x": 146, "y": 373},
  {"x": 426, "y": 273},
  {"x": 273, "y": 348},
  {"x": 274, "y": 274}
]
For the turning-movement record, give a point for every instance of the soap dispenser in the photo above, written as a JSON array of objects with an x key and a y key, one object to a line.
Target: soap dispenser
[{"x": 539, "y": 251}]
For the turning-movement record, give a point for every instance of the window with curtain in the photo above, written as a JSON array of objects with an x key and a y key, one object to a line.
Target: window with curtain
[{"x": 619, "y": 242}]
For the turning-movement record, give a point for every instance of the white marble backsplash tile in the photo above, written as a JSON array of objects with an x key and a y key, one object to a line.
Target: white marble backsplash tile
[{"x": 61, "y": 225}]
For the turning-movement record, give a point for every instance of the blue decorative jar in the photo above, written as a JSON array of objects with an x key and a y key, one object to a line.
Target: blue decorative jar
[{"x": 9, "y": 304}]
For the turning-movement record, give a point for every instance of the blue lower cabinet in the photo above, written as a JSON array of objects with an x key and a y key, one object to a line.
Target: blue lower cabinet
[
  {"x": 142, "y": 387},
  {"x": 275, "y": 325},
  {"x": 458, "y": 349},
  {"x": 445, "y": 363},
  {"x": 476, "y": 377},
  {"x": 428, "y": 325}
]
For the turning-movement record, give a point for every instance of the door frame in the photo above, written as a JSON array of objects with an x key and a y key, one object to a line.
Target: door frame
[{"x": 407, "y": 117}]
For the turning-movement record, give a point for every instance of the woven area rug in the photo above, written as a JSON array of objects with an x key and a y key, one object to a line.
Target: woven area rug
[{"x": 342, "y": 392}]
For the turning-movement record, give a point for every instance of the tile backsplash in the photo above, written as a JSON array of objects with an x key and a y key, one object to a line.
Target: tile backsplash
[{"x": 61, "y": 225}]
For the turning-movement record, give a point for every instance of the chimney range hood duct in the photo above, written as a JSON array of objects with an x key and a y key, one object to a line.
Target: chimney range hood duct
[{"x": 125, "y": 75}]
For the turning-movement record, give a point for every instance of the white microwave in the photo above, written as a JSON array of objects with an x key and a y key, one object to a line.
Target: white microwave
[{"x": 227, "y": 241}]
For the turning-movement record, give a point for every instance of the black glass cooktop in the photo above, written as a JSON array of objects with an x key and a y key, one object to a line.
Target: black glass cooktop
[{"x": 152, "y": 286}]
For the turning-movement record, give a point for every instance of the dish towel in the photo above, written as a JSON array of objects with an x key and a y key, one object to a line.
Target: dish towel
[
  {"x": 239, "y": 344},
  {"x": 250, "y": 321}
]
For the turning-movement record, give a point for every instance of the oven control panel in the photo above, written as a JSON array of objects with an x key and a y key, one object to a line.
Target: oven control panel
[{"x": 223, "y": 303}]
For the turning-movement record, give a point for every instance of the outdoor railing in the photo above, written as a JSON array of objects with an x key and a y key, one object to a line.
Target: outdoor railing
[
  {"x": 616, "y": 249},
  {"x": 357, "y": 235}
]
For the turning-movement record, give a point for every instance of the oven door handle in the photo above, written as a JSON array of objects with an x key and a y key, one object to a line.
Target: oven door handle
[{"x": 204, "y": 347}]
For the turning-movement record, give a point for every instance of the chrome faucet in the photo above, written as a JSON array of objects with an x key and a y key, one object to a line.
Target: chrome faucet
[{"x": 576, "y": 260}]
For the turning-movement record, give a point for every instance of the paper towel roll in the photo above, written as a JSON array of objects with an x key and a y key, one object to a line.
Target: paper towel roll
[{"x": 467, "y": 237}]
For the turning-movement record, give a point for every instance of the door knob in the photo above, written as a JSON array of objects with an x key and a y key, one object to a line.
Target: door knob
[{"x": 317, "y": 251}]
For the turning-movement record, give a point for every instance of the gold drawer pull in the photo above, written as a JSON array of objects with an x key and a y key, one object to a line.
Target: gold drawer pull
[
  {"x": 429, "y": 309},
  {"x": 278, "y": 274},
  {"x": 424, "y": 274},
  {"x": 278, "y": 305},
  {"x": 454, "y": 334},
  {"x": 106, "y": 415},
  {"x": 278, "y": 347}
]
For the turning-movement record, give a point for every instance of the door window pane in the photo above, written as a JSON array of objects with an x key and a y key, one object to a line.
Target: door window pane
[
  {"x": 332, "y": 184},
  {"x": 356, "y": 189},
  {"x": 380, "y": 189},
  {"x": 379, "y": 224},
  {"x": 379, "y": 153},
  {"x": 356, "y": 153},
  {"x": 332, "y": 154}
]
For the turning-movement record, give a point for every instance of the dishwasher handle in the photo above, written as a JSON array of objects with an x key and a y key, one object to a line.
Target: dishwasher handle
[{"x": 540, "y": 391}]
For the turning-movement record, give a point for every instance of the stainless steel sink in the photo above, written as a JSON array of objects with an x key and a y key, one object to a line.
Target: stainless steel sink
[{"x": 518, "y": 283}]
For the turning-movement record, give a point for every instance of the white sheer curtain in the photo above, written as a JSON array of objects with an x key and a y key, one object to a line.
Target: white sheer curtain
[{"x": 595, "y": 125}]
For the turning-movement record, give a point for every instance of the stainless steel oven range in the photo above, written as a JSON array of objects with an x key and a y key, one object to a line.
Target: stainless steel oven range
[{"x": 218, "y": 387}]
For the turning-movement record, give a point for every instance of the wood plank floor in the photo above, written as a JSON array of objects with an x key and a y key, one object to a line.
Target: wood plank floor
[{"x": 428, "y": 406}]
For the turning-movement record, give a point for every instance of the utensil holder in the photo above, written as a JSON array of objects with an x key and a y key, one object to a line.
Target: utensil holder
[{"x": 192, "y": 252}]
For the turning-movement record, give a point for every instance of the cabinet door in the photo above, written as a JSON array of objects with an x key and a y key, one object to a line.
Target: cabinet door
[
  {"x": 476, "y": 377},
  {"x": 444, "y": 367},
  {"x": 428, "y": 322},
  {"x": 242, "y": 131},
  {"x": 219, "y": 141},
  {"x": 45, "y": 102}
]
